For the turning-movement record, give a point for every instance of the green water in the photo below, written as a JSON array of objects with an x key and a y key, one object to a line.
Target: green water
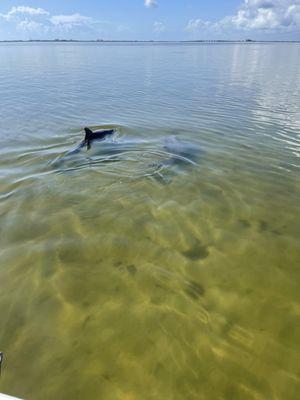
[{"x": 131, "y": 271}]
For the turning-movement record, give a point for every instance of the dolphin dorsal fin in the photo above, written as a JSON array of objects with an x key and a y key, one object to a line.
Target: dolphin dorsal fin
[{"x": 88, "y": 134}]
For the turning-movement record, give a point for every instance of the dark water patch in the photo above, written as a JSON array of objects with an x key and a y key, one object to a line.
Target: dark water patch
[
  {"x": 244, "y": 223},
  {"x": 197, "y": 252},
  {"x": 277, "y": 232},
  {"x": 106, "y": 376},
  {"x": 194, "y": 289},
  {"x": 86, "y": 321},
  {"x": 118, "y": 264},
  {"x": 263, "y": 226},
  {"x": 131, "y": 269}
]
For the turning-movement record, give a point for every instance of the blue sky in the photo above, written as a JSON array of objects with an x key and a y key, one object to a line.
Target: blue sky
[{"x": 150, "y": 19}]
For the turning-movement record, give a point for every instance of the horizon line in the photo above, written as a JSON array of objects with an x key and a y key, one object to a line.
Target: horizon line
[{"x": 148, "y": 41}]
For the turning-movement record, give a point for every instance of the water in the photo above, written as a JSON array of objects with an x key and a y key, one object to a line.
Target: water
[{"x": 164, "y": 262}]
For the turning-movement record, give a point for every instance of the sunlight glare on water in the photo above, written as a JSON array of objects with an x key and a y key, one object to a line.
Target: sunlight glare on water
[{"x": 163, "y": 263}]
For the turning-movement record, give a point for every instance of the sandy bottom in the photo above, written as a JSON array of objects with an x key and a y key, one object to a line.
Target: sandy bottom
[{"x": 185, "y": 287}]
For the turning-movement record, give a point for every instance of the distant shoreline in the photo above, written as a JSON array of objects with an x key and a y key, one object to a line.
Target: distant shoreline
[{"x": 145, "y": 41}]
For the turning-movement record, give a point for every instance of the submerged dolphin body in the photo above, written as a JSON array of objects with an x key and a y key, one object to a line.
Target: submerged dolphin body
[{"x": 181, "y": 152}]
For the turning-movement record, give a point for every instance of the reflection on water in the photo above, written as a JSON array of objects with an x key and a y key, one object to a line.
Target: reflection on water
[{"x": 162, "y": 263}]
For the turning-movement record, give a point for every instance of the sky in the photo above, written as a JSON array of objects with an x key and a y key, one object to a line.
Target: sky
[{"x": 150, "y": 19}]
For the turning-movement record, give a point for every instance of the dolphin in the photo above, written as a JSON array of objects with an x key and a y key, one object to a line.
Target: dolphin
[
  {"x": 96, "y": 135},
  {"x": 163, "y": 156},
  {"x": 90, "y": 136}
]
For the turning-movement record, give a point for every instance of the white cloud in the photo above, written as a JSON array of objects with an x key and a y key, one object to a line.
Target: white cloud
[
  {"x": 256, "y": 15},
  {"x": 28, "y": 10},
  {"x": 266, "y": 15},
  {"x": 39, "y": 21},
  {"x": 194, "y": 25},
  {"x": 31, "y": 26},
  {"x": 158, "y": 27},
  {"x": 23, "y": 10},
  {"x": 70, "y": 21},
  {"x": 151, "y": 3}
]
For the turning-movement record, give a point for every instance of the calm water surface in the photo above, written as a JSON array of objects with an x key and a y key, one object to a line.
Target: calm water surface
[{"x": 164, "y": 262}]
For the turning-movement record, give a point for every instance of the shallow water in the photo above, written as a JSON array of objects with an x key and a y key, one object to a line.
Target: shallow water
[{"x": 163, "y": 263}]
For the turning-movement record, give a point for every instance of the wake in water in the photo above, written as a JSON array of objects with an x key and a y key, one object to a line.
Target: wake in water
[{"x": 111, "y": 151}]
